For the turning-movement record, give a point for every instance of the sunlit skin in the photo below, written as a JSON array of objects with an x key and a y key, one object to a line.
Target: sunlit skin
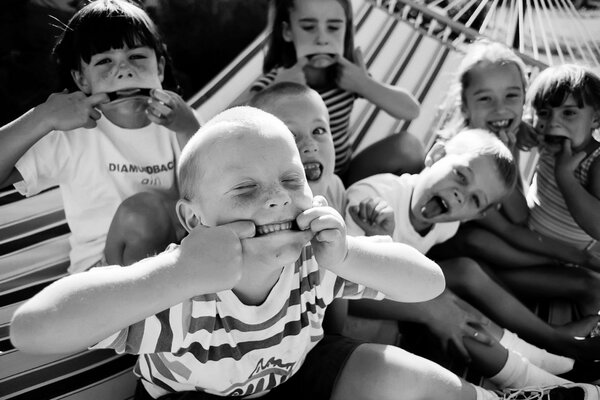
[
  {"x": 494, "y": 99},
  {"x": 467, "y": 184},
  {"x": 317, "y": 28},
  {"x": 567, "y": 121},
  {"x": 307, "y": 117}
]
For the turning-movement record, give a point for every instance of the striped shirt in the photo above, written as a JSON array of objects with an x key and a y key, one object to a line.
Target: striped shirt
[
  {"x": 550, "y": 215},
  {"x": 339, "y": 104},
  {"x": 217, "y": 344}
]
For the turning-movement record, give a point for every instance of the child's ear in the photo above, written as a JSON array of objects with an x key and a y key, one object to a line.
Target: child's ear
[
  {"x": 596, "y": 120},
  {"x": 161, "y": 69},
  {"x": 286, "y": 32},
  {"x": 438, "y": 150},
  {"x": 186, "y": 214},
  {"x": 80, "y": 81}
]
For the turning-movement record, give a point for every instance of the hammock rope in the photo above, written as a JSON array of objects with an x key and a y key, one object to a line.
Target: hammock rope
[{"x": 531, "y": 27}]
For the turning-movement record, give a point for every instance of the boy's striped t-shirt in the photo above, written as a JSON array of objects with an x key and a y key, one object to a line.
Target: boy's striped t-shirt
[{"x": 217, "y": 344}]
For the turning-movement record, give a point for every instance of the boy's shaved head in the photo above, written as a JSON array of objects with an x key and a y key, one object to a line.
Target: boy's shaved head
[
  {"x": 229, "y": 125},
  {"x": 481, "y": 142},
  {"x": 268, "y": 97}
]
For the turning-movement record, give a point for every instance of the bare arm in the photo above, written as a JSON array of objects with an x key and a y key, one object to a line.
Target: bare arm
[
  {"x": 396, "y": 269},
  {"x": 83, "y": 309},
  {"x": 525, "y": 239},
  {"x": 396, "y": 101},
  {"x": 61, "y": 111}
]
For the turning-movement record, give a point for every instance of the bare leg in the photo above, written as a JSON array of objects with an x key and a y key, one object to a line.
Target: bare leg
[
  {"x": 397, "y": 154},
  {"x": 468, "y": 280},
  {"x": 143, "y": 225},
  {"x": 580, "y": 285},
  {"x": 386, "y": 372}
]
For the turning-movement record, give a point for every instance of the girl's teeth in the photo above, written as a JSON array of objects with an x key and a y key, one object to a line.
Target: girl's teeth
[
  {"x": 500, "y": 124},
  {"x": 269, "y": 228}
]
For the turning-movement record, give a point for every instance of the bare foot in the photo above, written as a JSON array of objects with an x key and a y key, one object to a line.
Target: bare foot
[{"x": 581, "y": 327}]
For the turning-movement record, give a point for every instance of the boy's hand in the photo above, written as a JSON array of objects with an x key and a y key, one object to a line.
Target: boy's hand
[
  {"x": 65, "y": 111},
  {"x": 211, "y": 257},
  {"x": 374, "y": 216},
  {"x": 349, "y": 75},
  {"x": 454, "y": 323},
  {"x": 168, "y": 109},
  {"x": 329, "y": 242},
  {"x": 293, "y": 74}
]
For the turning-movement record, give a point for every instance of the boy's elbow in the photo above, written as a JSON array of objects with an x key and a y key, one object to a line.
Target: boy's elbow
[
  {"x": 26, "y": 335},
  {"x": 31, "y": 333}
]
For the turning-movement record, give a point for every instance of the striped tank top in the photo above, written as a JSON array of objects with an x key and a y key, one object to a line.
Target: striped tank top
[{"x": 549, "y": 214}]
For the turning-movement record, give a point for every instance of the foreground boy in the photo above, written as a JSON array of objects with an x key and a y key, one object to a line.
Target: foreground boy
[{"x": 242, "y": 299}]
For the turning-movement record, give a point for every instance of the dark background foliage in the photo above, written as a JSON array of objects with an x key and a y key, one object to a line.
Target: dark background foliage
[{"x": 202, "y": 37}]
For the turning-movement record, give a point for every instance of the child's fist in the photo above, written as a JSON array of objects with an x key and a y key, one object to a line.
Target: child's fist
[
  {"x": 65, "y": 111},
  {"x": 211, "y": 257},
  {"x": 329, "y": 242},
  {"x": 168, "y": 109}
]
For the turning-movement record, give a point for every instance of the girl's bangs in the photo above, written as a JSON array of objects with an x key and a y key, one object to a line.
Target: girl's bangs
[{"x": 114, "y": 33}]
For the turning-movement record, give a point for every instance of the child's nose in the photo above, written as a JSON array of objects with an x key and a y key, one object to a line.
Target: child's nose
[
  {"x": 277, "y": 197},
  {"x": 124, "y": 71},
  {"x": 321, "y": 37},
  {"x": 459, "y": 197},
  {"x": 308, "y": 146}
]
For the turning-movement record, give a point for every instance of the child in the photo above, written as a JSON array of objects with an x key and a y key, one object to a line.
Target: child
[
  {"x": 313, "y": 44},
  {"x": 305, "y": 114},
  {"x": 462, "y": 178},
  {"x": 237, "y": 322},
  {"x": 114, "y": 134}
]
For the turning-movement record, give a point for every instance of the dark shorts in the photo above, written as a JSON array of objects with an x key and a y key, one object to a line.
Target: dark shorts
[{"x": 315, "y": 379}]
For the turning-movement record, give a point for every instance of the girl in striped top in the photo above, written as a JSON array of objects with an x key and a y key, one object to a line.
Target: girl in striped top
[{"x": 313, "y": 43}]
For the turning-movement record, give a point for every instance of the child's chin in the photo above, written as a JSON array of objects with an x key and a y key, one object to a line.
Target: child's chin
[{"x": 280, "y": 248}]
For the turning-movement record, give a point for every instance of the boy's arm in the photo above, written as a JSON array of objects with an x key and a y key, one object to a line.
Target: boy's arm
[
  {"x": 583, "y": 205},
  {"x": 396, "y": 101},
  {"x": 83, "y": 309},
  {"x": 399, "y": 271},
  {"x": 62, "y": 111}
]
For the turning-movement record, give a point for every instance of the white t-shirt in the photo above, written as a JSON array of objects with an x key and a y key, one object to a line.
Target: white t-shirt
[
  {"x": 96, "y": 170},
  {"x": 336, "y": 194},
  {"x": 397, "y": 192}
]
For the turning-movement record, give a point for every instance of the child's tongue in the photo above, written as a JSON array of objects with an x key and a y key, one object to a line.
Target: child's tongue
[
  {"x": 312, "y": 171},
  {"x": 433, "y": 207}
]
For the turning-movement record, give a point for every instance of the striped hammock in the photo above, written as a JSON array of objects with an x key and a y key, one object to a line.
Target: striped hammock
[{"x": 413, "y": 44}]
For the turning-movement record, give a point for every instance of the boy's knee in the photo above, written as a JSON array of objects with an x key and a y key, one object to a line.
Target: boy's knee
[{"x": 142, "y": 216}]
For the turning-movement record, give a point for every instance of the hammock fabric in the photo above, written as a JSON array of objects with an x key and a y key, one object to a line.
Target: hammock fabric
[{"x": 411, "y": 44}]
